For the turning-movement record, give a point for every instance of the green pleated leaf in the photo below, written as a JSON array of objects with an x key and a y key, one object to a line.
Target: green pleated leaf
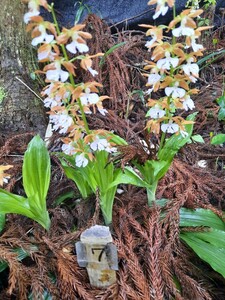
[
  {"x": 36, "y": 179},
  {"x": 218, "y": 139},
  {"x": 213, "y": 236},
  {"x": 10, "y": 203},
  {"x": 200, "y": 217},
  {"x": 213, "y": 255},
  {"x": 128, "y": 176},
  {"x": 79, "y": 180},
  {"x": 198, "y": 138},
  {"x": 2, "y": 222},
  {"x": 153, "y": 170},
  {"x": 36, "y": 170},
  {"x": 175, "y": 142}
]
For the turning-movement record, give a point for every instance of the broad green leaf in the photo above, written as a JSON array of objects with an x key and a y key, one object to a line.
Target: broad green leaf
[
  {"x": 104, "y": 174},
  {"x": 3, "y": 265},
  {"x": 36, "y": 171},
  {"x": 80, "y": 182},
  {"x": 128, "y": 176},
  {"x": 36, "y": 179},
  {"x": 213, "y": 236},
  {"x": 200, "y": 217},
  {"x": 45, "y": 296},
  {"x": 198, "y": 138},
  {"x": 2, "y": 222},
  {"x": 61, "y": 198},
  {"x": 221, "y": 102},
  {"x": 213, "y": 255},
  {"x": 117, "y": 139},
  {"x": 95, "y": 177},
  {"x": 221, "y": 114},
  {"x": 153, "y": 170},
  {"x": 218, "y": 139},
  {"x": 106, "y": 204},
  {"x": 11, "y": 203},
  {"x": 175, "y": 142}
]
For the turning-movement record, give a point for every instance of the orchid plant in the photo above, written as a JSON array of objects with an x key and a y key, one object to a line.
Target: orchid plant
[
  {"x": 172, "y": 70},
  {"x": 84, "y": 151}
]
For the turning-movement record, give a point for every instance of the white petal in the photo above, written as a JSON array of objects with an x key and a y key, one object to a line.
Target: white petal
[
  {"x": 173, "y": 128},
  {"x": 30, "y": 14},
  {"x": 38, "y": 40},
  {"x": 188, "y": 103},
  {"x": 52, "y": 75},
  {"x": 82, "y": 47},
  {"x": 178, "y": 93},
  {"x": 84, "y": 99},
  {"x": 63, "y": 75},
  {"x": 92, "y": 71},
  {"x": 188, "y": 31},
  {"x": 99, "y": 144},
  {"x": 50, "y": 102},
  {"x": 43, "y": 55},
  {"x": 169, "y": 90},
  {"x": 193, "y": 79},
  {"x": 170, "y": 127},
  {"x": 49, "y": 38},
  {"x": 184, "y": 133},
  {"x": 102, "y": 111},
  {"x": 93, "y": 98},
  {"x": 156, "y": 112},
  {"x": 164, "y": 127},
  {"x": 68, "y": 149},
  {"x": 71, "y": 47},
  {"x": 177, "y": 31},
  {"x": 163, "y": 10},
  {"x": 150, "y": 43},
  {"x": 186, "y": 69},
  {"x": 153, "y": 78},
  {"x": 174, "y": 61},
  {"x": 81, "y": 160},
  {"x": 195, "y": 46}
]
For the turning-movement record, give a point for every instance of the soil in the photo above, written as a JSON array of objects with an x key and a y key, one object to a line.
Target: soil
[{"x": 150, "y": 252}]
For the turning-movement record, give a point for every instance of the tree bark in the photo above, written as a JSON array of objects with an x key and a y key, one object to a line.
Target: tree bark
[{"x": 20, "y": 110}]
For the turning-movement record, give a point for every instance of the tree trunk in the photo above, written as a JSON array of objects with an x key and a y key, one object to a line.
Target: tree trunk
[{"x": 20, "y": 110}]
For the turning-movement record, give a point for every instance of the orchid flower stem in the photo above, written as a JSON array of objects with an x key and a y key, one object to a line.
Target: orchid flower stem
[
  {"x": 70, "y": 75},
  {"x": 162, "y": 140},
  {"x": 151, "y": 193}
]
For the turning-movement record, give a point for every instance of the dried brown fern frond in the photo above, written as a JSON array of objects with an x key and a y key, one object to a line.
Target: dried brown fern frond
[
  {"x": 17, "y": 280},
  {"x": 198, "y": 186},
  {"x": 16, "y": 144},
  {"x": 70, "y": 280},
  {"x": 120, "y": 71},
  {"x": 149, "y": 247},
  {"x": 191, "y": 289},
  {"x": 154, "y": 245}
]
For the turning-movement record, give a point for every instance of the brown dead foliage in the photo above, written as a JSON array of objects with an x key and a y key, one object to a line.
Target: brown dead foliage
[{"x": 152, "y": 259}]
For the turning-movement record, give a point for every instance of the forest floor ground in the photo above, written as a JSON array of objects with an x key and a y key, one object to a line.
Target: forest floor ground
[{"x": 150, "y": 254}]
